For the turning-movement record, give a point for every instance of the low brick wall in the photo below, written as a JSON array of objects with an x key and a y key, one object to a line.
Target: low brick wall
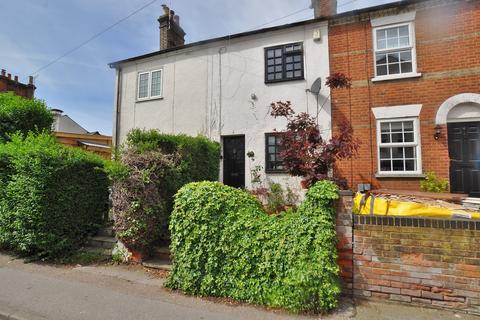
[{"x": 413, "y": 260}]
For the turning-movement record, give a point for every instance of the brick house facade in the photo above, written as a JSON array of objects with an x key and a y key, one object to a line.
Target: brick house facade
[
  {"x": 436, "y": 81},
  {"x": 7, "y": 83}
]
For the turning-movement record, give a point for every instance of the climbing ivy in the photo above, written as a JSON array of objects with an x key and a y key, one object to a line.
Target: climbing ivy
[{"x": 225, "y": 245}]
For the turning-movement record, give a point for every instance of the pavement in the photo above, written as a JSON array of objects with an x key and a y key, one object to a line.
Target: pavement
[{"x": 38, "y": 291}]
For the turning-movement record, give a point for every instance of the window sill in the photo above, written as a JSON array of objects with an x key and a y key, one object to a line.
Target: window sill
[
  {"x": 399, "y": 175},
  {"x": 397, "y": 77},
  {"x": 148, "y": 99},
  {"x": 267, "y": 82}
]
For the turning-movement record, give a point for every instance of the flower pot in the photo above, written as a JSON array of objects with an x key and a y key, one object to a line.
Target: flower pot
[
  {"x": 305, "y": 184},
  {"x": 136, "y": 256}
]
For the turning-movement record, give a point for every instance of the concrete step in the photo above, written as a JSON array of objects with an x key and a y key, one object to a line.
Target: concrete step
[
  {"x": 106, "y": 232},
  {"x": 162, "y": 252},
  {"x": 471, "y": 203},
  {"x": 107, "y": 253},
  {"x": 102, "y": 242},
  {"x": 157, "y": 263},
  {"x": 472, "y": 200}
]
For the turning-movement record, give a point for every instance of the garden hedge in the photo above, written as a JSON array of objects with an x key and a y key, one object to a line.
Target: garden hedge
[
  {"x": 225, "y": 245},
  {"x": 23, "y": 115},
  {"x": 52, "y": 196},
  {"x": 157, "y": 166}
]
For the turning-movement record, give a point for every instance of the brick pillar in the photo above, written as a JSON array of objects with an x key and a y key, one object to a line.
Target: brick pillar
[{"x": 345, "y": 240}]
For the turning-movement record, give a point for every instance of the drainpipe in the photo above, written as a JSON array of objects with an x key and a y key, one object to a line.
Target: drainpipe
[
  {"x": 220, "y": 93},
  {"x": 117, "y": 106}
]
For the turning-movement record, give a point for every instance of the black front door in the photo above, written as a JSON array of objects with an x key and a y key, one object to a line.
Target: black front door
[
  {"x": 464, "y": 150},
  {"x": 234, "y": 161}
]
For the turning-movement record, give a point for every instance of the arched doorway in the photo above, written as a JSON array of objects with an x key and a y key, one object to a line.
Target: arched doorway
[{"x": 461, "y": 114}]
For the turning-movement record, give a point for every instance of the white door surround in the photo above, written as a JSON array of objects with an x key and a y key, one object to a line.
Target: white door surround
[{"x": 463, "y": 107}]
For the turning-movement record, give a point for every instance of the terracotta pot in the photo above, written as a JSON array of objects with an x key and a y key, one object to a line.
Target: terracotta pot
[
  {"x": 137, "y": 256},
  {"x": 304, "y": 184}
]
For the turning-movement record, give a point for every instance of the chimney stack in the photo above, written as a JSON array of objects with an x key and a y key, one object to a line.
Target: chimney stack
[
  {"x": 171, "y": 34},
  {"x": 324, "y": 8}
]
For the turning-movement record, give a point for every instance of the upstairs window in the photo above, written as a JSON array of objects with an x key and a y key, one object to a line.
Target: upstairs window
[
  {"x": 395, "y": 51},
  {"x": 284, "y": 63},
  {"x": 273, "y": 161},
  {"x": 150, "y": 84}
]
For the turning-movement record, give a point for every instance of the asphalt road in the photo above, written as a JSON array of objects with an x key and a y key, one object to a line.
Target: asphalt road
[{"x": 34, "y": 292}]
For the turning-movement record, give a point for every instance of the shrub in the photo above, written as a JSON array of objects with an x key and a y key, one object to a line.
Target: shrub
[
  {"x": 53, "y": 196},
  {"x": 24, "y": 115},
  {"x": 433, "y": 184},
  {"x": 305, "y": 153},
  {"x": 139, "y": 204},
  {"x": 225, "y": 245},
  {"x": 275, "y": 198},
  {"x": 155, "y": 166}
]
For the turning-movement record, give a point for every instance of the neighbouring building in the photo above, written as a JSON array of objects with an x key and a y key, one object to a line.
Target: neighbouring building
[
  {"x": 7, "y": 83},
  {"x": 415, "y": 96},
  {"x": 222, "y": 88},
  {"x": 70, "y": 133}
]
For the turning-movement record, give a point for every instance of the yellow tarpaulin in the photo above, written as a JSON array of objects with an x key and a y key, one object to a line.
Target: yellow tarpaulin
[{"x": 377, "y": 205}]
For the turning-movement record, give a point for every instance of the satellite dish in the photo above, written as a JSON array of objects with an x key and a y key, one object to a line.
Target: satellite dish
[{"x": 316, "y": 86}]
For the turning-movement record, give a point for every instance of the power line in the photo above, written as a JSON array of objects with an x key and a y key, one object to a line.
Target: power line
[
  {"x": 294, "y": 13},
  {"x": 93, "y": 37},
  {"x": 275, "y": 20},
  {"x": 347, "y": 3}
]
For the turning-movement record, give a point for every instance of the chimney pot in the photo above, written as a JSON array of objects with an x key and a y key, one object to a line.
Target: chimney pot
[
  {"x": 30, "y": 80},
  {"x": 4, "y": 72},
  {"x": 171, "y": 34},
  {"x": 16, "y": 78},
  {"x": 324, "y": 8},
  {"x": 9, "y": 76}
]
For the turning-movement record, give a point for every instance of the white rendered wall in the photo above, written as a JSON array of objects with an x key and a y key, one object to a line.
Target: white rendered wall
[{"x": 194, "y": 96}]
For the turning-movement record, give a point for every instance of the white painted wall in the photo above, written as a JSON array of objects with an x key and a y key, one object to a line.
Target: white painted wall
[{"x": 194, "y": 94}]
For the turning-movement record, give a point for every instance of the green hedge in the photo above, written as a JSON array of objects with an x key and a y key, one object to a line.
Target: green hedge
[
  {"x": 225, "y": 245},
  {"x": 24, "y": 115},
  {"x": 157, "y": 166},
  {"x": 52, "y": 196}
]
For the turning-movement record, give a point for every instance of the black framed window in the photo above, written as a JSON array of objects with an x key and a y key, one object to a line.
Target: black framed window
[
  {"x": 273, "y": 160},
  {"x": 284, "y": 63}
]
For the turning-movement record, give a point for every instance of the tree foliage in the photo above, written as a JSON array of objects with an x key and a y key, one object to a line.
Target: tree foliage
[{"x": 18, "y": 114}]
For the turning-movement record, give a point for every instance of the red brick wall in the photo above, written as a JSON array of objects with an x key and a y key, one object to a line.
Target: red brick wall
[
  {"x": 413, "y": 260},
  {"x": 20, "y": 89},
  {"x": 448, "y": 56},
  {"x": 434, "y": 266}
]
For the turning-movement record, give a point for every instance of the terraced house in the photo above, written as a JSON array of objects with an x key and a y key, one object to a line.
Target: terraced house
[
  {"x": 222, "y": 88},
  {"x": 415, "y": 98},
  {"x": 414, "y": 101}
]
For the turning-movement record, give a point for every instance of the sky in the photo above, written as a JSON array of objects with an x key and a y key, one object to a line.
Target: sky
[{"x": 33, "y": 33}]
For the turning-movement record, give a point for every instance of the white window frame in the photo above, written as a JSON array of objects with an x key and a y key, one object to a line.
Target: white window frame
[
  {"x": 416, "y": 144},
  {"x": 411, "y": 46},
  {"x": 149, "y": 94}
]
